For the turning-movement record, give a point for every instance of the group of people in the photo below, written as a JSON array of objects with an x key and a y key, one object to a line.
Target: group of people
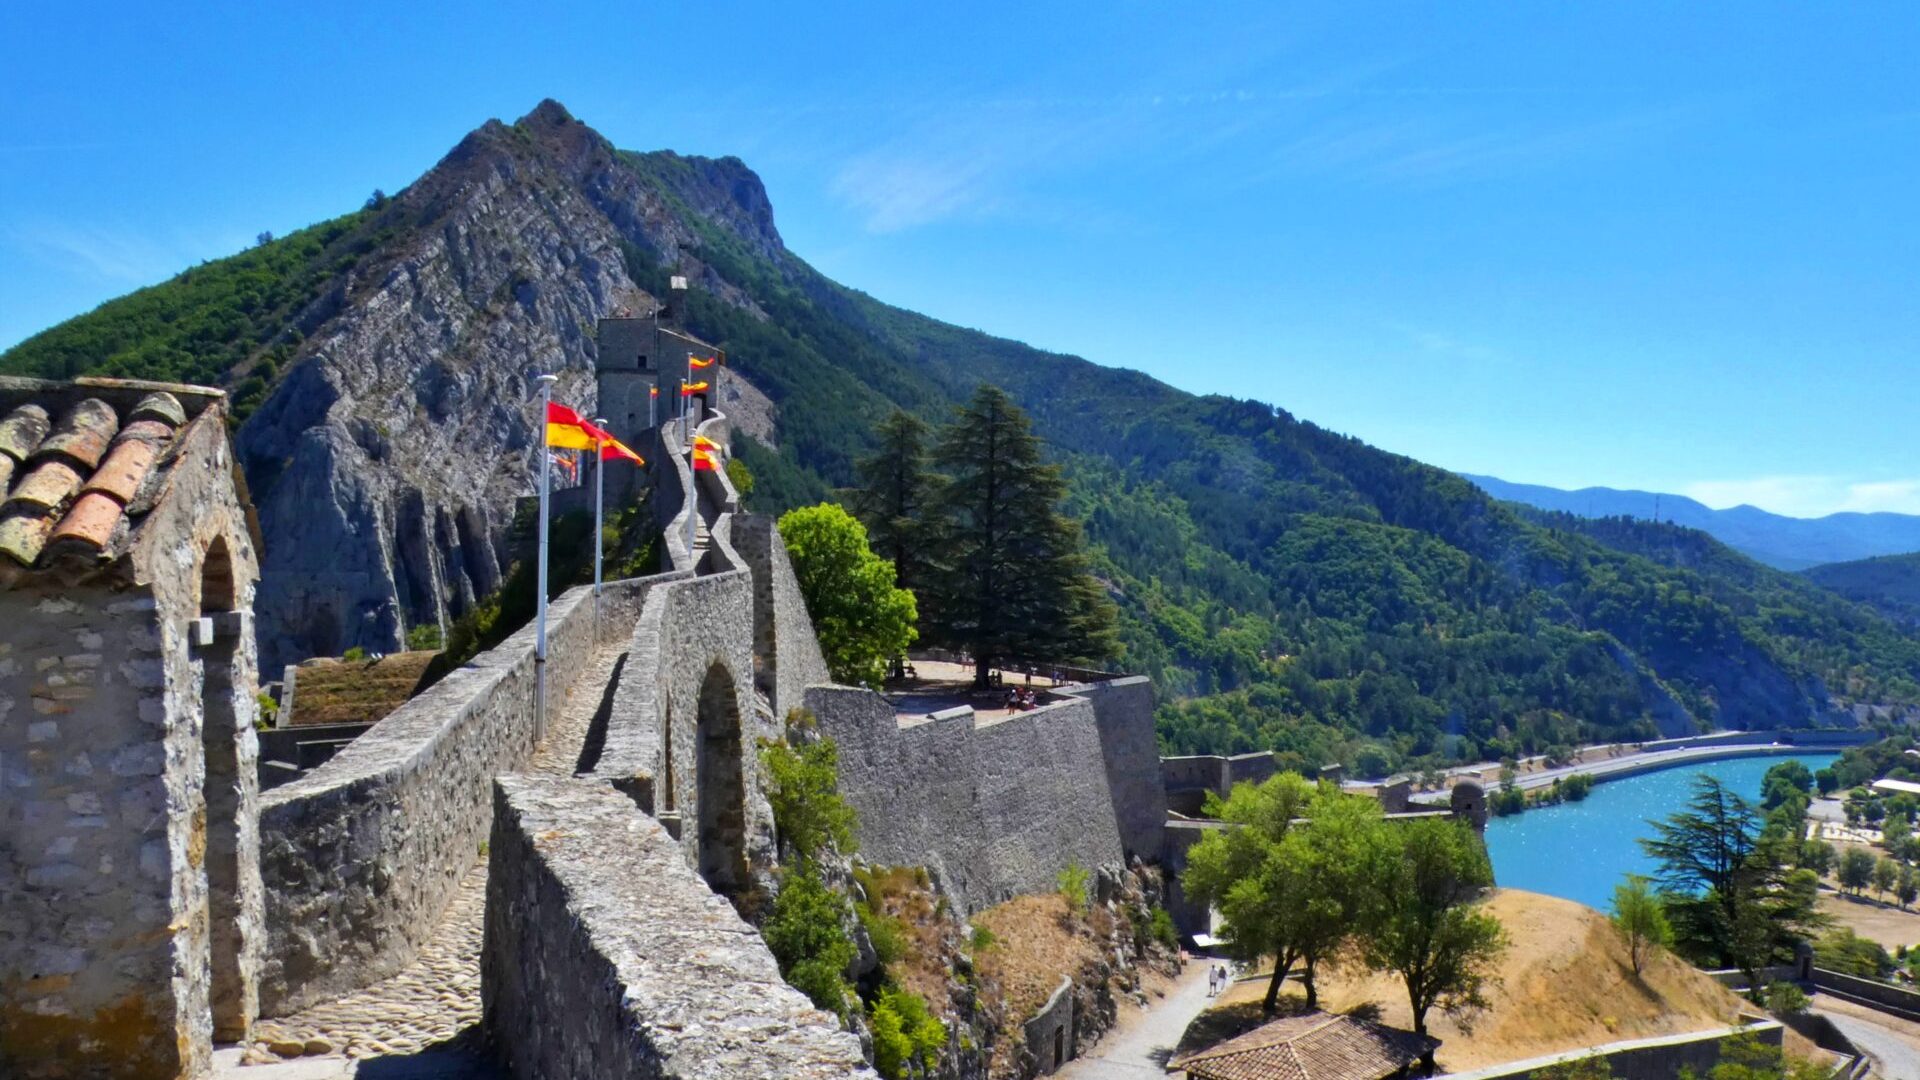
[
  {"x": 1021, "y": 698},
  {"x": 1218, "y": 979}
]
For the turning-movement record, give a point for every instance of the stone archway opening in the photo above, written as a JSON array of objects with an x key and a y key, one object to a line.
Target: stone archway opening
[
  {"x": 225, "y": 790},
  {"x": 719, "y": 784}
]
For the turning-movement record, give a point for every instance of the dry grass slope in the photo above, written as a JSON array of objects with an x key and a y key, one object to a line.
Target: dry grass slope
[
  {"x": 332, "y": 691},
  {"x": 1565, "y": 982}
]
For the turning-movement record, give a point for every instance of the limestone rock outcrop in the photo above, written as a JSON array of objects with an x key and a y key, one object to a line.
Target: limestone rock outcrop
[{"x": 386, "y": 463}]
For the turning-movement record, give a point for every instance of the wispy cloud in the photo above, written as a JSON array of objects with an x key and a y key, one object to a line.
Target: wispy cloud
[
  {"x": 111, "y": 253},
  {"x": 1810, "y": 495},
  {"x": 1426, "y": 148}
]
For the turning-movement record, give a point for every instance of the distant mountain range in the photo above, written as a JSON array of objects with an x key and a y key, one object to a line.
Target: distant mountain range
[
  {"x": 1788, "y": 543},
  {"x": 1890, "y": 583}
]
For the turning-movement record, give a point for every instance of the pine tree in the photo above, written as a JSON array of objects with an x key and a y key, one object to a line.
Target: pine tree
[
  {"x": 896, "y": 501},
  {"x": 1015, "y": 584}
]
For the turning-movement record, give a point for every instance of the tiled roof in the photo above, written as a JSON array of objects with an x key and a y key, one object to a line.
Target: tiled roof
[
  {"x": 81, "y": 461},
  {"x": 1313, "y": 1046}
]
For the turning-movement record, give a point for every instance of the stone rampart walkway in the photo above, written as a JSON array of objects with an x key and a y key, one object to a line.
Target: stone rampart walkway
[{"x": 429, "y": 1013}]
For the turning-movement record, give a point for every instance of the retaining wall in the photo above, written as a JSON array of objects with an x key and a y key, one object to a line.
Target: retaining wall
[
  {"x": 1895, "y": 999},
  {"x": 606, "y": 956},
  {"x": 998, "y": 809},
  {"x": 361, "y": 856},
  {"x": 1641, "y": 1059}
]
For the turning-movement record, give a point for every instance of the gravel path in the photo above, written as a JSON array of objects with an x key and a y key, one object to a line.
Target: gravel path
[
  {"x": 1139, "y": 1046},
  {"x": 425, "y": 1021}
]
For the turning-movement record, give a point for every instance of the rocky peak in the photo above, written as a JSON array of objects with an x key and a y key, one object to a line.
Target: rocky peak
[{"x": 387, "y": 461}]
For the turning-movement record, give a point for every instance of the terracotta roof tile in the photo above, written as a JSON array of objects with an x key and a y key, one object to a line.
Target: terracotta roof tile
[
  {"x": 49, "y": 484},
  {"x": 127, "y": 465},
  {"x": 22, "y": 535},
  {"x": 67, "y": 483},
  {"x": 22, "y": 430},
  {"x": 91, "y": 521},
  {"x": 83, "y": 433}
]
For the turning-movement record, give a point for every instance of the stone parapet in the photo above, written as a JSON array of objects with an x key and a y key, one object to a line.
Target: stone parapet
[
  {"x": 784, "y": 642},
  {"x": 361, "y": 856},
  {"x": 607, "y": 956}
]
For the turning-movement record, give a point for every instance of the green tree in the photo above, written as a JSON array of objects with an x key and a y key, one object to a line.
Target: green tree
[
  {"x": 1818, "y": 856},
  {"x": 1908, "y": 887},
  {"x": 907, "y": 1039},
  {"x": 1726, "y": 889},
  {"x": 1842, "y": 950},
  {"x": 1339, "y": 855},
  {"x": 897, "y": 498},
  {"x": 803, "y": 787},
  {"x": 1886, "y": 874},
  {"x": 1427, "y": 928},
  {"x": 1856, "y": 870},
  {"x": 862, "y": 619},
  {"x": 1639, "y": 918},
  {"x": 1247, "y": 873},
  {"x": 1017, "y": 582}
]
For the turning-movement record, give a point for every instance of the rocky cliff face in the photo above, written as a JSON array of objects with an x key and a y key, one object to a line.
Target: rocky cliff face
[{"x": 386, "y": 464}]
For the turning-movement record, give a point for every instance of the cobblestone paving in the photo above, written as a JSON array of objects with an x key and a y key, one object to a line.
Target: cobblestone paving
[{"x": 431, "y": 1010}]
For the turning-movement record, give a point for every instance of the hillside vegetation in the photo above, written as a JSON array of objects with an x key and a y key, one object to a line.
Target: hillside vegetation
[
  {"x": 1286, "y": 586},
  {"x": 1890, "y": 584}
]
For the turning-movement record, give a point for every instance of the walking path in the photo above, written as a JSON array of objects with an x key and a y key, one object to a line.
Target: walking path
[
  {"x": 1638, "y": 762},
  {"x": 1141, "y": 1043},
  {"x": 428, "y": 1015},
  {"x": 1892, "y": 1043}
]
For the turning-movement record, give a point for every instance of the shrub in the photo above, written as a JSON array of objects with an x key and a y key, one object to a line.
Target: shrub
[
  {"x": 982, "y": 939},
  {"x": 1075, "y": 887},
  {"x": 269, "y": 709},
  {"x": 885, "y": 932},
  {"x": 807, "y": 935},
  {"x": 740, "y": 477},
  {"x": 354, "y": 655},
  {"x": 1591, "y": 1067},
  {"x": 1163, "y": 929},
  {"x": 424, "y": 638},
  {"x": 1785, "y": 999},
  {"x": 905, "y": 1034},
  {"x": 1844, "y": 951},
  {"x": 804, "y": 790}
]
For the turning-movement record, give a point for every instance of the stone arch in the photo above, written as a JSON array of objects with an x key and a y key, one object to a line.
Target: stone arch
[
  {"x": 228, "y": 788},
  {"x": 720, "y": 836}
]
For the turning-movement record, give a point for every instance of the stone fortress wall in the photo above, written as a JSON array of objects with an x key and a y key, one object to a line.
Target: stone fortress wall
[{"x": 1000, "y": 808}]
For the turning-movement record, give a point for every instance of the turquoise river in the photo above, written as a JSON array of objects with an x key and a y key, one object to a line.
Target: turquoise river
[{"x": 1580, "y": 850}]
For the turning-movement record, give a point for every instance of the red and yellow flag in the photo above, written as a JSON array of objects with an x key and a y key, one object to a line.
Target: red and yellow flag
[
  {"x": 692, "y": 388},
  {"x": 653, "y": 391},
  {"x": 701, "y": 442},
  {"x": 698, "y": 364},
  {"x": 613, "y": 450},
  {"x": 704, "y": 461},
  {"x": 566, "y": 429}
]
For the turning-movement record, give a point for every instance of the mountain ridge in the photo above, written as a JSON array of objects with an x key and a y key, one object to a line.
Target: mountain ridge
[
  {"x": 1288, "y": 587},
  {"x": 1779, "y": 540}
]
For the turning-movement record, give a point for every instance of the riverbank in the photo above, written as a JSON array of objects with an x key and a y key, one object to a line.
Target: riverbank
[{"x": 1631, "y": 763}]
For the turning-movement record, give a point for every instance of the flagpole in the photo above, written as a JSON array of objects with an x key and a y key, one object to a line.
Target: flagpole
[
  {"x": 599, "y": 498},
  {"x": 540, "y": 588}
]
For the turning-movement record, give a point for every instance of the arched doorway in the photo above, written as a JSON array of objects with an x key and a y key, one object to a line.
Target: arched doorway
[
  {"x": 227, "y": 787},
  {"x": 720, "y": 793}
]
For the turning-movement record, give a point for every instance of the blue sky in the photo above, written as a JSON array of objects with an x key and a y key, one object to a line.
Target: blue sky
[{"x": 1667, "y": 246}]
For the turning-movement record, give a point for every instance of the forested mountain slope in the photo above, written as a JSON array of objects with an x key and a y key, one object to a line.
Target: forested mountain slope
[
  {"x": 1297, "y": 589},
  {"x": 1890, "y": 584}
]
